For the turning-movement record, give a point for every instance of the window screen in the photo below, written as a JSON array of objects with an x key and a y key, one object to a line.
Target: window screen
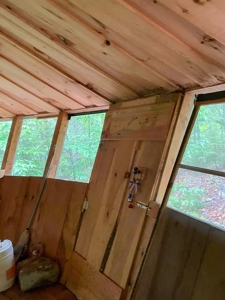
[
  {"x": 33, "y": 147},
  {"x": 80, "y": 147}
]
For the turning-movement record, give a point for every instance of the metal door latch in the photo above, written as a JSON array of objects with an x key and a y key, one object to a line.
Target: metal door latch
[{"x": 142, "y": 205}]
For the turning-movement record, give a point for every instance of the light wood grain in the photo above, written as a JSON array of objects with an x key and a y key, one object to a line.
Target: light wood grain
[
  {"x": 41, "y": 70},
  {"x": 131, "y": 220},
  {"x": 11, "y": 206},
  {"x": 141, "y": 30},
  {"x": 14, "y": 106},
  {"x": 187, "y": 25},
  {"x": 55, "y": 228},
  {"x": 27, "y": 97},
  {"x": 71, "y": 228},
  {"x": 36, "y": 87},
  {"x": 55, "y": 150},
  {"x": 127, "y": 45},
  {"x": 197, "y": 12},
  {"x": 139, "y": 256},
  {"x": 92, "y": 47},
  {"x": 71, "y": 55},
  {"x": 150, "y": 122},
  {"x": 10, "y": 152},
  {"x": 105, "y": 194},
  {"x": 87, "y": 283},
  {"x": 177, "y": 137},
  {"x": 76, "y": 66}
]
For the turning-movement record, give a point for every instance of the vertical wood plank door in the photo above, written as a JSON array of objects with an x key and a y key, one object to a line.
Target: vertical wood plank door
[{"x": 135, "y": 134}]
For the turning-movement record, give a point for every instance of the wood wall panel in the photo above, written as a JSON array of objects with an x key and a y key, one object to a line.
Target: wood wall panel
[
  {"x": 146, "y": 123},
  {"x": 131, "y": 221},
  {"x": 11, "y": 203},
  {"x": 105, "y": 193},
  {"x": 57, "y": 217},
  {"x": 183, "y": 261},
  {"x": 139, "y": 256},
  {"x": 71, "y": 224},
  {"x": 87, "y": 283},
  {"x": 108, "y": 218},
  {"x": 211, "y": 276}
]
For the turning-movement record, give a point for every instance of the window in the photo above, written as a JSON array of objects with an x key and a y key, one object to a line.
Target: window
[
  {"x": 80, "y": 147},
  {"x": 199, "y": 188},
  {"x": 33, "y": 147},
  {"x": 4, "y": 130}
]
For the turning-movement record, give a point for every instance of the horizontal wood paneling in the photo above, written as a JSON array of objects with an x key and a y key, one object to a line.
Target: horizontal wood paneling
[{"x": 150, "y": 122}]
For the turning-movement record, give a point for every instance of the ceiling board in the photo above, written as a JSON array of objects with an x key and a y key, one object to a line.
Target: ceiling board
[
  {"x": 148, "y": 35},
  {"x": 41, "y": 105},
  {"x": 91, "y": 46},
  {"x": 44, "y": 72},
  {"x": 75, "y": 55},
  {"x": 14, "y": 106}
]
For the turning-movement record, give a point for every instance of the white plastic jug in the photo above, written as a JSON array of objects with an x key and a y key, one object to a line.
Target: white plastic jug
[{"x": 7, "y": 265}]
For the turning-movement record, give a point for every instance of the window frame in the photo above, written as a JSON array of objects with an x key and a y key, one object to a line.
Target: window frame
[{"x": 200, "y": 100}]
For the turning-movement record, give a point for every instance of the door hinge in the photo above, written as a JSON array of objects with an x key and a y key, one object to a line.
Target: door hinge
[{"x": 85, "y": 205}]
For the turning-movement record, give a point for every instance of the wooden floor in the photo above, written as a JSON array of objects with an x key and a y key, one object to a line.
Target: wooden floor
[{"x": 53, "y": 292}]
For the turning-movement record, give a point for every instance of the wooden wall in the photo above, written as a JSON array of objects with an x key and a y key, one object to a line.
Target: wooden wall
[
  {"x": 186, "y": 261},
  {"x": 112, "y": 238},
  {"x": 57, "y": 217}
]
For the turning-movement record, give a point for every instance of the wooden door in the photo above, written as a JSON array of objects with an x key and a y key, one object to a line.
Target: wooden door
[{"x": 112, "y": 235}]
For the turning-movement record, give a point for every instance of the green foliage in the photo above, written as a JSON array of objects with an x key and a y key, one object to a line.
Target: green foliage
[
  {"x": 80, "y": 147},
  {"x": 79, "y": 151},
  {"x": 187, "y": 199},
  {"x": 206, "y": 146},
  {"x": 34, "y": 144},
  {"x": 4, "y": 133}
]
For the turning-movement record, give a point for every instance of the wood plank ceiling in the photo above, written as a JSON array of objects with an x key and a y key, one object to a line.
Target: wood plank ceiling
[{"x": 74, "y": 55}]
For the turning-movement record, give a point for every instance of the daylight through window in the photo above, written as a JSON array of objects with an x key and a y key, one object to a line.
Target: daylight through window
[
  {"x": 199, "y": 188},
  {"x": 34, "y": 144},
  {"x": 80, "y": 147},
  {"x": 4, "y": 129}
]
